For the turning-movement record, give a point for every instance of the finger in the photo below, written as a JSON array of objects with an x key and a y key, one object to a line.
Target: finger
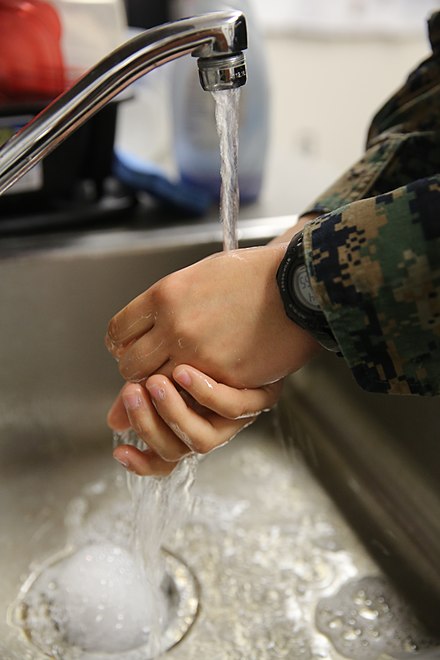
[
  {"x": 149, "y": 426},
  {"x": 144, "y": 463},
  {"x": 201, "y": 432},
  {"x": 226, "y": 401},
  {"x": 117, "y": 417},
  {"x": 130, "y": 323},
  {"x": 143, "y": 357}
]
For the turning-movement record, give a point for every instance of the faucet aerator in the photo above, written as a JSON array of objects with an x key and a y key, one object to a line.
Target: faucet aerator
[{"x": 220, "y": 73}]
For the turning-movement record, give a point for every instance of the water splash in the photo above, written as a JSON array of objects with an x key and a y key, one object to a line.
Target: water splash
[
  {"x": 160, "y": 506},
  {"x": 113, "y": 591},
  {"x": 227, "y": 119}
]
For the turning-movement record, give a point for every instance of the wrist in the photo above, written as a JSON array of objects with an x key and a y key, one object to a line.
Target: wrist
[{"x": 300, "y": 302}]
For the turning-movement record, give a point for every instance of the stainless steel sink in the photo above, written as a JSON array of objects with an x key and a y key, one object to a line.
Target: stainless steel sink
[{"x": 291, "y": 562}]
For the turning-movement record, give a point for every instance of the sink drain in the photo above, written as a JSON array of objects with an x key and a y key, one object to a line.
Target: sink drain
[{"x": 91, "y": 603}]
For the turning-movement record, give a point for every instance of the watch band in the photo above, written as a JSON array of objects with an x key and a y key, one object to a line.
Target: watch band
[{"x": 299, "y": 301}]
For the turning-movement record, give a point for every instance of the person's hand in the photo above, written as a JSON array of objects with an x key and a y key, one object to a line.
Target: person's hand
[
  {"x": 222, "y": 315},
  {"x": 199, "y": 417}
]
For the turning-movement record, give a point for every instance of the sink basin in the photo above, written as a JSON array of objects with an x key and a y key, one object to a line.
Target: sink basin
[{"x": 327, "y": 557}]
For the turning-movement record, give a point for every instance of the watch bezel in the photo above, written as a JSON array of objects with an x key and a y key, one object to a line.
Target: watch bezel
[{"x": 310, "y": 319}]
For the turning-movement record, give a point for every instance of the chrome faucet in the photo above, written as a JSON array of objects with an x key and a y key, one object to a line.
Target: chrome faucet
[{"x": 216, "y": 39}]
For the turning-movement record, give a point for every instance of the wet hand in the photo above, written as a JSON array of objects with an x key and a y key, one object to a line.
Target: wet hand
[
  {"x": 223, "y": 315},
  {"x": 199, "y": 417}
]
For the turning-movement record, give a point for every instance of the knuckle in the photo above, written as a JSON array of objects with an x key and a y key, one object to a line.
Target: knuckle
[
  {"x": 159, "y": 292},
  {"x": 164, "y": 292},
  {"x": 139, "y": 427}
]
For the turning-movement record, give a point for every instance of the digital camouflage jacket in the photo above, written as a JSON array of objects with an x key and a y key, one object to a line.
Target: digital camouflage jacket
[{"x": 373, "y": 255}]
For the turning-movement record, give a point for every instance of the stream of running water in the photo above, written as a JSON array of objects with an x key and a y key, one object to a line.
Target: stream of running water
[{"x": 227, "y": 120}]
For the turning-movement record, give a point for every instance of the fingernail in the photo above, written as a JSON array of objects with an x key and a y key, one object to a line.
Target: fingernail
[
  {"x": 132, "y": 400},
  {"x": 183, "y": 378},
  {"x": 156, "y": 392},
  {"x": 123, "y": 460}
]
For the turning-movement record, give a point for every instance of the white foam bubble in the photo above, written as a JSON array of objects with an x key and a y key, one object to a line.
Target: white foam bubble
[{"x": 101, "y": 602}]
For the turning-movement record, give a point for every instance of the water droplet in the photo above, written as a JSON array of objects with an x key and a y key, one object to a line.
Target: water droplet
[
  {"x": 349, "y": 635},
  {"x": 368, "y": 613}
]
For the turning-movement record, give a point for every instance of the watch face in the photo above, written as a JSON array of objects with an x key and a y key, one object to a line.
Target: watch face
[{"x": 303, "y": 290}]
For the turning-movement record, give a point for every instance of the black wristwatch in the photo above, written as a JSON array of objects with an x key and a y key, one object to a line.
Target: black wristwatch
[{"x": 298, "y": 297}]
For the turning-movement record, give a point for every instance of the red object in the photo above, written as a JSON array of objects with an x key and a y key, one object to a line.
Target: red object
[{"x": 31, "y": 61}]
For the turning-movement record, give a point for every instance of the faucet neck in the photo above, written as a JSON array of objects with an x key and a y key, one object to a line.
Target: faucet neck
[{"x": 212, "y": 35}]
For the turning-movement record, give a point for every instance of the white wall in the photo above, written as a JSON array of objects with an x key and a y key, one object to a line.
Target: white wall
[
  {"x": 396, "y": 17},
  {"x": 324, "y": 93}
]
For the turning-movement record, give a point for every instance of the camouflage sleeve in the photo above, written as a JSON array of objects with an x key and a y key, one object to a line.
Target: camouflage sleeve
[
  {"x": 373, "y": 254},
  {"x": 375, "y": 267}
]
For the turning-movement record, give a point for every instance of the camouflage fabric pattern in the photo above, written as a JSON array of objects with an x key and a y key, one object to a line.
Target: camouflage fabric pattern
[
  {"x": 374, "y": 254},
  {"x": 378, "y": 280}
]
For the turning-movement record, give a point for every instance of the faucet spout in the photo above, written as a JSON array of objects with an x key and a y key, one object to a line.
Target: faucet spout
[{"x": 217, "y": 39}]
